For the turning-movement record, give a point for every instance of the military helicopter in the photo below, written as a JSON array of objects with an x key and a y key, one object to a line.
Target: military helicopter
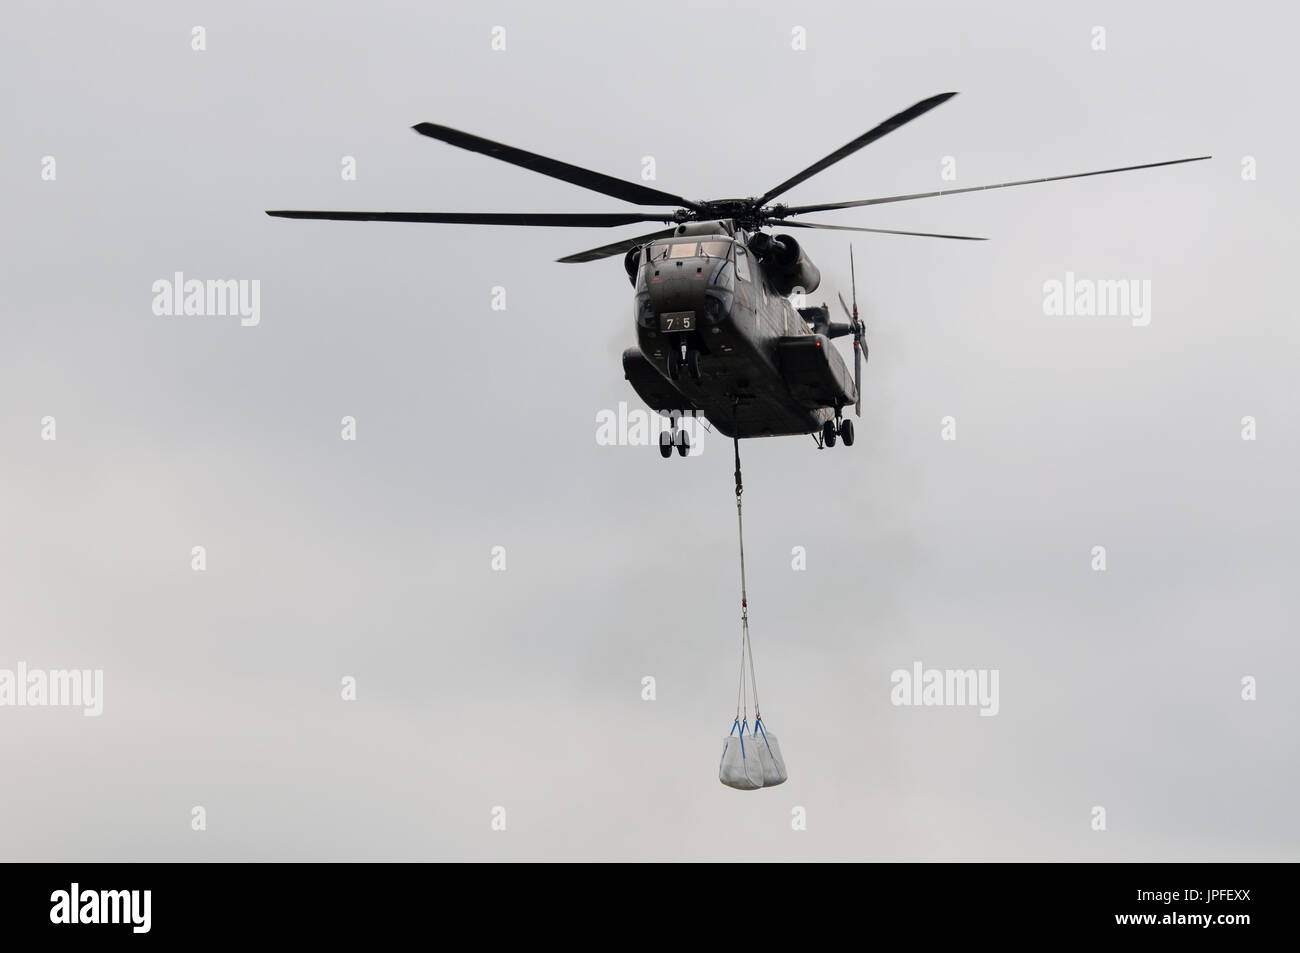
[{"x": 717, "y": 335}]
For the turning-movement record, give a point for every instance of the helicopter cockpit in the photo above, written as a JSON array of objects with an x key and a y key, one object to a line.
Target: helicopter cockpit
[{"x": 688, "y": 248}]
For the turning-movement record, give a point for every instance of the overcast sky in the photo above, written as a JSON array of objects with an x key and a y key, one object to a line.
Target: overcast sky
[{"x": 476, "y": 428}]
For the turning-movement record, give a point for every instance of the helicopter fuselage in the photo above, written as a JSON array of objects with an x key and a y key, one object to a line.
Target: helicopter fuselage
[{"x": 715, "y": 338}]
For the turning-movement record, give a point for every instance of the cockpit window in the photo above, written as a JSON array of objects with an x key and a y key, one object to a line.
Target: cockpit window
[
  {"x": 715, "y": 249},
  {"x": 662, "y": 250}
]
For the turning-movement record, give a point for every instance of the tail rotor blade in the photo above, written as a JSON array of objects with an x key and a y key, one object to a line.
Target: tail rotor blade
[
  {"x": 857, "y": 374},
  {"x": 853, "y": 278},
  {"x": 857, "y": 334}
]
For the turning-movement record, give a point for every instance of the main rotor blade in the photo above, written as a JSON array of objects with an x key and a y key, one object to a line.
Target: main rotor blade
[
  {"x": 561, "y": 219},
  {"x": 596, "y": 181},
  {"x": 800, "y": 209},
  {"x": 884, "y": 231},
  {"x": 617, "y": 248},
  {"x": 886, "y": 127}
]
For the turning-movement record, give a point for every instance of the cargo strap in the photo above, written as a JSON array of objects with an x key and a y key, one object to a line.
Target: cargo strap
[{"x": 746, "y": 650}]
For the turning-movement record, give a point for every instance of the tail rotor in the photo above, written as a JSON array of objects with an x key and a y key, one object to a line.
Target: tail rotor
[{"x": 858, "y": 329}]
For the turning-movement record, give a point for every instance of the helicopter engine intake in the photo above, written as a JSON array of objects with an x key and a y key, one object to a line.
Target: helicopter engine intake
[
  {"x": 787, "y": 265},
  {"x": 632, "y": 263}
]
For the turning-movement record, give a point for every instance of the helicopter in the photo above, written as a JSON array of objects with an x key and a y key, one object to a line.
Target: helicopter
[{"x": 717, "y": 334}]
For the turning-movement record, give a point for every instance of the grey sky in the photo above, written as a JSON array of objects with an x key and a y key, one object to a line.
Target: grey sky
[{"x": 476, "y": 428}]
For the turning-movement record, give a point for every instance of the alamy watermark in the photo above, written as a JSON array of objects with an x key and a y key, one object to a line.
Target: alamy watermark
[
  {"x": 1087, "y": 298},
  {"x": 215, "y": 297},
  {"x": 76, "y": 905},
  {"x": 638, "y": 427},
  {"x": 24, "y": 687},
  {"x": 946, "y": 687}
]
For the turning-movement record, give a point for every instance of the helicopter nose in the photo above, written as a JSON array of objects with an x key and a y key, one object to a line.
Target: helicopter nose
[
  {"x": 697, "y": 286},
  {"x": 678, "y": 285}
]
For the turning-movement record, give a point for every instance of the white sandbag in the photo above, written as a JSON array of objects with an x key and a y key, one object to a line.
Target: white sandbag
[
  {"x": 769, "y": 755},
  {"x": 739, "y": 767}
]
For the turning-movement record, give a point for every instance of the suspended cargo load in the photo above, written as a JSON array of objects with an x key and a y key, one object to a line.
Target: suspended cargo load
[
  {"x": 769, "y": 755},
  {"x": 751, "y": 758},
  {"x": 740, "y": 767}
]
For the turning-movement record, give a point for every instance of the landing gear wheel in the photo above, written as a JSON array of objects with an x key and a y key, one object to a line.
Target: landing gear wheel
[
  {"x": 674, "y": 363},
  {"x": 693, "y": 363},
  {"x": 828, "y": 433},
  {"x": 683, "y": 442},
  {"x": 846, "y": 432},
  {"x": 665, "y": 444}
]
